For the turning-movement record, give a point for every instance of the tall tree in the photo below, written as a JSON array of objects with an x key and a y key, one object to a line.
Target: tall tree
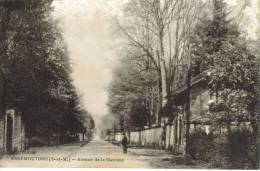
[
  {"x": 37, "y": 72},
  {"x": 129, "y": 91},
  {"x": 159, "y": 30},
  {"x": 220, "y": 49}
]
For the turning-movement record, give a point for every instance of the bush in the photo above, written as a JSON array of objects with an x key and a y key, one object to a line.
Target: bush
[
  {"x": 218, "y": 154},
  {"x": 37, "y": 142},
  {"x": 199, "y": 145},
  {"x": 234, "y": 151},
  {"x": 1, "y": 153},
  {"x": 242, "y": 149}
]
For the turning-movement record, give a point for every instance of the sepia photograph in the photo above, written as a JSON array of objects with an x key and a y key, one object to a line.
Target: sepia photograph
[{"x": 148, "y": 84}]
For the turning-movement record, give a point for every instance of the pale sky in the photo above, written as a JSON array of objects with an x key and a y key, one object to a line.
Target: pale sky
[
  {"x": 85, "y": 24},
  {"x": 86, "y": 30}
]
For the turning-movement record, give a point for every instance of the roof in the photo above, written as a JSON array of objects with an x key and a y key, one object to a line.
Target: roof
[{"x": 202, "y": 77}]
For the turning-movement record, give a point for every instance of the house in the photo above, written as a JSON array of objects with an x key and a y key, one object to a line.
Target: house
[{"x": 199, "y": 97}]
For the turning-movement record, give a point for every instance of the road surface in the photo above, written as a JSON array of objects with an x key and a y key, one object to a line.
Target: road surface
[{"x": 96, "y": 153}]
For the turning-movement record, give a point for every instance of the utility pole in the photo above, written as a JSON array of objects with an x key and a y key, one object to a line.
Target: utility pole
[
  {"x": 188, "y": 113},
  {"x": 257, "y": 117},
  {"x": 187, "y": 108}
]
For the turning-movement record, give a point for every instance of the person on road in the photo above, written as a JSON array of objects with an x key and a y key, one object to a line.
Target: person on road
[{"x": 124, "y": 144}]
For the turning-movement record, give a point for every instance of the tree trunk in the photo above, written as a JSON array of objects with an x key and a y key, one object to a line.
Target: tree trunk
[
  {"x": 151, "y": 106},
  {"x": 159, "y": 101},
  {"x": 164, "y": 83},
  {"x": 163, "y": 69}
]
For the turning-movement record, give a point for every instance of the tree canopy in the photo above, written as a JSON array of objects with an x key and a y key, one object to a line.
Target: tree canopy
[{"x": 36, "y": 72}]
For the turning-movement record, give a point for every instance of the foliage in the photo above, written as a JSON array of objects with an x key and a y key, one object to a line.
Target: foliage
[
  {"x": 200, "y": 145},
  {"x": 234, "y": 106},
  {"x": 219, "y": 48},
  {"x": 234, "y": 151},
  {"x": 139, "y": 114},
  {"x": 129, "y": 98},
  {"x": 36, "y": 71},
  {"x": 158, "y": 33}
]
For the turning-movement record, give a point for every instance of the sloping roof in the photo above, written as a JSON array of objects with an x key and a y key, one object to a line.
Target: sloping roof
[{"x": 203, "y": 76}]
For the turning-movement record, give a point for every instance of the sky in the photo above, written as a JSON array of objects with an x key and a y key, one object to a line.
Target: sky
[
  {"x": 87, "y": 33},
  {"x": 86, "y": 30}
]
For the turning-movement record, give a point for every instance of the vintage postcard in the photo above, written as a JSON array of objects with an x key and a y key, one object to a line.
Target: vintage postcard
[{"x": 130, "y": 84}]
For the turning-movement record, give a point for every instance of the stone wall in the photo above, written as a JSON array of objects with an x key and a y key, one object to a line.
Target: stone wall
[
  {"x": 118, "y": 136},
  {"x": 152, "y": 137},
  {"x": 149, "y": 137},
  {"x": 175, "y": 136},
  {"x": 172, "y": 135}
]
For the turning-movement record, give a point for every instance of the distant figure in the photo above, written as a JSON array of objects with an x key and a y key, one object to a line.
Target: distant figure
[{"x": 124, "y": 144}]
